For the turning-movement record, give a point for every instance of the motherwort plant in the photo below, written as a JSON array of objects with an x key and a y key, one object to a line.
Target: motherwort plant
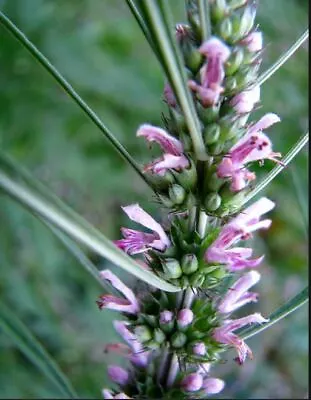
[{"x": 195, "y": 263}]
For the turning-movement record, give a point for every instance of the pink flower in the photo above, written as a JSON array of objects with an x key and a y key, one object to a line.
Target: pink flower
[
  {"x": 238, "y": 295},
  {"x": 135, "y": 242},
  {"x": 254, "y": 146},
  {"x": 253, "y": 42},
  {"x": 129, "y": 304},
  {"x": 213, "y": 73},
  {"x": 240, "y": 228},
  {"x": 108, "y": 395},
  {"x": 224, "y": 334},
  {"x": 184, "y": 317},
  {"x": 213, "y": 385},
  {"x": 137, "y": 356},
  {"x": 169, "y": 96},
  {"x": 245, "y": 101},
  {"x": 192, "y": 382},
  {"x": 173, "y": 157},
  {"x": 199, "y": 349},
  {"x": 118, "y": 374}
]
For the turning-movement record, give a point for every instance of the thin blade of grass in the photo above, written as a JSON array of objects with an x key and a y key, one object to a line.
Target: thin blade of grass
[
  {"x": 301, "y": 199},
  {"x": 286, "y": 309},
  {"x": 278, "y": 64},
  {"x": 32, "y": 348},
  {"x": 21, "y": 37},
  {"x": 156, "y": 21},
  {"x": 64, "y": 218},
  {"x": 279, "y": 168}
]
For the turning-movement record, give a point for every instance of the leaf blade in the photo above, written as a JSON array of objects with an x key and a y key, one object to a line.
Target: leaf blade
[
  {"x": 32, "y": 348},
  {"x": 64, "y": 218}
]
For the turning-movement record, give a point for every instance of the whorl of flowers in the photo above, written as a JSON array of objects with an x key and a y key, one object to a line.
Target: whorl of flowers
[{"x": 172, "y": 340}]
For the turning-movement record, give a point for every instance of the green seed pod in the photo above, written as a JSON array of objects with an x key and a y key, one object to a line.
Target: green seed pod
[
  {"x": 189, "y": 264},
  {"x": 177, "y": 194},
  {"x": 187, "y": 177},
  {"x": 225, "y": 29},
  {"x": 234, "y": 62},
  {"x": 193, "y": 59},
  {"x": 213, "y": 182},
  {"x": 211, "y": 133},
  {"x": 143, "y": 333},
  {"x": 160, "y": 182},
  {"x": 209, "y": 114},
  {"x": 159, "y": 335},
  {"x": 197, "y": 279},
  {"x": 178, "y": 340},
  {"x": 167, "y": 202},
  {"x": 216, "y": 148},
  {"x": 171, "y": 268},
  {"x": 219, "y": 10},
  {"x": 212, "y": 202}
]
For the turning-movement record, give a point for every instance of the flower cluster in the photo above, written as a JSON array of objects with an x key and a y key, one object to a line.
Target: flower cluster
[{"x": 172, "y": 340}]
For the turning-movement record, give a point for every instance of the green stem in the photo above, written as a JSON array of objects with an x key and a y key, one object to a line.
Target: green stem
[
  {"x": 19, "y": 35},
  {"x": 204, "y": 12}
]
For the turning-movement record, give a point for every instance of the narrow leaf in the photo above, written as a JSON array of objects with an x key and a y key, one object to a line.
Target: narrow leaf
[
  {"x": 279, "y": 168},
  {"x": 286, "y": 309},
  {"x": 30, "y": 346},
  {"x": 64, "y": 218},
  {"x": 20, "y": 36},
  {"x": 157, "y": 22},
  {"x": 278, "y": 64}
]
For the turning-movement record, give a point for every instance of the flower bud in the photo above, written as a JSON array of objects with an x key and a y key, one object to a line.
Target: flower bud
[
  {"x": 225, "y": 29},
  {"x": 184, "y": 318},
  {"x": 213, "y": 385},
  {"x": 212, "y": 202},
  {"x": 209, "y": 114},
  {"x": 166, "y": 321},
  {"x": 150, "y": 319},
  {"x": 187, "y": 177},
  {"x": 234, "y": 61},
  {"x": 191, "y": 201},
  {"x": 167, "y": 202},
  {"x": 199, "y": 349},
  {"x": 197, "y": 280},
  {"x": 193, "y": 59},
  {"x": 211, "y": 133},
  {"x": 213, "y": 183},
  {"x": 178, "y": 340},
  {"x": 192, "y": 382},
  {"x": 231, "y": 84},
  {"x": 219, "y": 10},
  {"x": 159, "y": 336},
  {"x": 178, "y": 119},
  {"x": 160, "y": 181},
  {"x": 118, "y": 375},
  {"x": 177, "y": 194},
  {"x": 143, "y": 333},
  {"x": 189, "y": 264},
  {"x": 216, "y": 148},
  {"x": 171, "y": 268}
]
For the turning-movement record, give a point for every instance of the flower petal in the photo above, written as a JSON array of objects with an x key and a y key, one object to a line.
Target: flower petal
[{"x": 168, "y": 143}]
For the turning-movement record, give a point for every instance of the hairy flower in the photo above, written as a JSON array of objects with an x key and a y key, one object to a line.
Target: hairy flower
[
  {"x": 173, "y": 157},
  {"x": 135, "y": 242},
  {"x": 118, "y": 375},
  {"x": 245, "y": 101},
  {"x": 254, "y": 146},
  {"x": 253, "y": 42},
  {"x": 212, "y": 73},
  {"x": 238, "y": 295},
  {"x": 129, "y": 304},
  {"x": 224, "y": 334},
  {"x": 240, "y": 228}
]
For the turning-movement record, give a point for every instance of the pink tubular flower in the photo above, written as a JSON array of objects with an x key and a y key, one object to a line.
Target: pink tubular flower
[
  {"x": 240, "y": 228},
  {"x": 129, "y": 304},
  {"x": 245, "y": 101},
  {"x": 213, "y": 385},
  {"x": 213, "y": 73},
  {"x": 254, "y": 146},
  {"x": 238, "y": 294},
  {"x": 118, "y": 374},
  {"x": 253, "y": 42},
  {"x": 137, "y": 356},
  {"x": 192, "y": 382},
  {"x": 135, "y": 242},
  {"x": 224, "y": 334},
  {"x": 173, "y": 157}
]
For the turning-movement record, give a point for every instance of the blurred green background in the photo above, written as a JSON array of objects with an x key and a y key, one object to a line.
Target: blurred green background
[{"x": 99, "y": 48}]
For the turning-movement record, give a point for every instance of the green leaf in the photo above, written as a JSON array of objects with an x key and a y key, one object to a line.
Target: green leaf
[
  {"x": 286, "y": 309},
  {"x": 157, "y": 18},
  {"x": 278, "y": 64},
  {"x": 20, "y": 36},
  {"x": 29, "y": 345},
  {"x": 279, "y": 168},
  {"x": 48, "y": 206}
]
